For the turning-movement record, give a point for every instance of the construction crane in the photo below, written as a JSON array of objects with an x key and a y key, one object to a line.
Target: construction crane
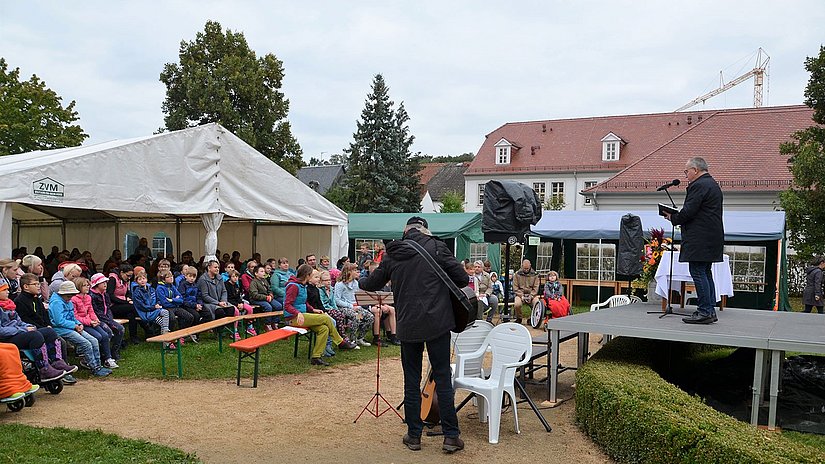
[{"x": 758, "y": 72}]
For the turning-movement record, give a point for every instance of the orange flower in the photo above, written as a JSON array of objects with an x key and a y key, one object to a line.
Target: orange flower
[{"x": 651, "y": 261}]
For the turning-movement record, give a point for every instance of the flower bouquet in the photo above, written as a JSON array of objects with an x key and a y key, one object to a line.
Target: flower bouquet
[{"x": 654, "y": 247}]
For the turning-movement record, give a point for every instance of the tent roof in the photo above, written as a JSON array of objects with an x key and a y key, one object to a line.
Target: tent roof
[
  {"x": 204, "y": 169},
  {"x": 387, "y": 226},
  {"x": 589, "y": 225}
]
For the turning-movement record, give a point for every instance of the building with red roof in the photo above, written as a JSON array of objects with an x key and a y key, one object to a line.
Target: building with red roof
[{"x": 617, "y": 162}]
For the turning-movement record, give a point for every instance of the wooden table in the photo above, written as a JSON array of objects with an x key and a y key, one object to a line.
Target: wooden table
[{"x": 569, "y": 284}]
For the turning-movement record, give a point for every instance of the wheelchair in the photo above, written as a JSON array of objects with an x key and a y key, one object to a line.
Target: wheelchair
[{"x": 33, "y": 374}]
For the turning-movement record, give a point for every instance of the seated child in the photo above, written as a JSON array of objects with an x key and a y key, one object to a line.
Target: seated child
[
  {"x": 27, "y": 337},
  {"x": 554, "y": 296},
  {"x": 147, "y": 306},
  {"x": 171, "y": 300},
  {"x": 13, "y": 384},
  {"x": 102, "y": 306},
  {"x": 188, "y": 289},
  {"x": 259, "y": 293},
  {"x": 233, "y": 296},
  {"x": 85, "y": 313},
  {"x": 61, "y": 313}
]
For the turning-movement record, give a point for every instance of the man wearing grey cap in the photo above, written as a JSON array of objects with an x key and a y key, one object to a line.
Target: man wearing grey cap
[{"x": 424, "y": 316}]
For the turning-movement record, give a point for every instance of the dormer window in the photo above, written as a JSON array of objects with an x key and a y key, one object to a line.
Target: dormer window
[
  {"x": 611, "y": 147},
  {"x": 503, "y": 150}
]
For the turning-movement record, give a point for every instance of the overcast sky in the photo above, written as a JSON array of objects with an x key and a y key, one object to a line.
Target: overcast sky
[{"x": 462, "y": 68}]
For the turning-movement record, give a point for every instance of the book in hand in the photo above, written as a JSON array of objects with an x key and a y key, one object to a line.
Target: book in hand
[{"x": 665, "y": 209}]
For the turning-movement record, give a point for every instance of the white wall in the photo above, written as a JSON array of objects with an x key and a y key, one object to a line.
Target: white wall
[
  {"x": 573, "y": 184},
  {"x": 735, "y": 201}
]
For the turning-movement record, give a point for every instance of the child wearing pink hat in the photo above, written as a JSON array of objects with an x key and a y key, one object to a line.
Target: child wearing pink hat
[{"x": 102, "y": 305}]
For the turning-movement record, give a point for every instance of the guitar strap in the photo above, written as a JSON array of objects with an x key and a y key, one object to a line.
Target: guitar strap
[{"x": 435, "y": 267}]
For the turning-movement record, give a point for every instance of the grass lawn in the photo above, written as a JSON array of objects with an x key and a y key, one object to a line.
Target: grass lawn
[
  {"x": 204, "y": 361},
  {"x": 22, "y": 443}
]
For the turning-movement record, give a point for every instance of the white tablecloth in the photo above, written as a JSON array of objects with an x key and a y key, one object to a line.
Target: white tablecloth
[{"x": 722, "y": 279}]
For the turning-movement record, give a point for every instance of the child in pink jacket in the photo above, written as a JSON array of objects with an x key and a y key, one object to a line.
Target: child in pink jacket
[{"x": 85, "y": 313}]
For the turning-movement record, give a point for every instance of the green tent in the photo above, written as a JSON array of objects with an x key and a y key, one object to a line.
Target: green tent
[{"x": 461, "y": 229}]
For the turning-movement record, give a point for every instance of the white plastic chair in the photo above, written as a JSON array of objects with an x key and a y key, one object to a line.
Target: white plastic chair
[
  {"x": 612, "y": 302},
  {"x": 634, "y": 299},
  {"x": 511, "y": 345},
  {"x": 468, "y": 342}
]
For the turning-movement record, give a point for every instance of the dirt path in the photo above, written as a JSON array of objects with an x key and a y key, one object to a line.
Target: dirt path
[{"x": 303, "y": 418}]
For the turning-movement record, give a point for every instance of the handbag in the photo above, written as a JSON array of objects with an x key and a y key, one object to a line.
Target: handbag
[{"x": 463, "y": 300}]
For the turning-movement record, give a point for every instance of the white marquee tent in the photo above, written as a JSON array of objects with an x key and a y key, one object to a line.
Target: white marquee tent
[{"x": 201, "y": 187}]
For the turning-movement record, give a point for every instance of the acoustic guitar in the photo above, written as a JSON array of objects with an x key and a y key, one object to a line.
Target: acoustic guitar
[{"x": 429, "y": 402}]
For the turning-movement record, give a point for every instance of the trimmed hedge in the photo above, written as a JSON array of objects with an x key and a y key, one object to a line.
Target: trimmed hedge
[{"x": 636, "y": 416}]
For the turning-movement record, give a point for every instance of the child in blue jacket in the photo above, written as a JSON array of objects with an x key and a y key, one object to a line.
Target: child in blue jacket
[
  {"x": 189, "y": 292},
  {"x": 170, "y": 298},
  {"x": 146, "y": 305}
]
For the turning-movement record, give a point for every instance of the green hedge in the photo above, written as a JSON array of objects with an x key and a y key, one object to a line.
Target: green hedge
[{"x": 636, "y": 416}]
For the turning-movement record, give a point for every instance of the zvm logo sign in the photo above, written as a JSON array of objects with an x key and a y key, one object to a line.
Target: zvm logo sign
[{"x": 47, "y": 188}]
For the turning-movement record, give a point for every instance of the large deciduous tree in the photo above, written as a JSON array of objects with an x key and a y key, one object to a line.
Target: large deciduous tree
[
  {"x": 32, "y": 116},
  {"x": 382, "y": 174},
  {"x": 220, "y": 79},
  {"x": 804, "y": 199}
]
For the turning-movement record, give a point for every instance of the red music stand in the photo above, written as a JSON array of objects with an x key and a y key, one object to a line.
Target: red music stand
[{"x": 369, "y": 299}]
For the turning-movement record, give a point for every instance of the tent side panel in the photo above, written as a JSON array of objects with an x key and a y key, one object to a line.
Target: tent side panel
[
  {"x": 5, "y": 230},
  {"x": 233, "y": 236},
  {"x": 293, "y": 242},
  {"x": 32, "y": 237},
  {"x": 98, "y": 238}
]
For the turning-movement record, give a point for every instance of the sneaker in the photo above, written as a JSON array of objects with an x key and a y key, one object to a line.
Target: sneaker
[
  {"x": 69, "y": 379},
  {"x": 171, "y": 346},
  {"x": 194, "y": 338},
  {"x": 348, "y": 345},
  {"x": 180, "y": 340},
  {"x": 362, "y": 342},
  {"x": 33, "y": 389},
  {"x": 269, "y": 328},
  {"x": 413, "y": 443},
  {"x": 101, "y": 371},
  {"x": 84, "y": 364},
  {"x": 49, "y": 373},
  {"x": 63, "y": 366},
  {"x": 395, "y": 341},
  {"x": 318, "y": 362},
  {"x": 452, "y": 444},
  {"x": 250, "y": 330},
  {"x": 111, "y": 364},
  {"x": 377, "y": 342},
  {"x": 236, "y": 336}
]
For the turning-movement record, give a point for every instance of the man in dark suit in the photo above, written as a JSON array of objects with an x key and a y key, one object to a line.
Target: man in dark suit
[{"x": 703, "y": 236}]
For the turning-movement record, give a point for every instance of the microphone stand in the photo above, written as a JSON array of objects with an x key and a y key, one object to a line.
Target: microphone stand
[{"x": 669, "y": 309}]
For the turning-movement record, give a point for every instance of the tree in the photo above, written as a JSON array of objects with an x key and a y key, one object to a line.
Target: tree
[
  {"x": 452, "y": 202},
  {"x": 382, "y": 174},
  {"x": 220, "y": 79},
  {"x": 462, "y": 158},
  {"x": 554, "y": 203},
  {"x": 806, "y": 157},
  {"x": 32, "y": 116}
]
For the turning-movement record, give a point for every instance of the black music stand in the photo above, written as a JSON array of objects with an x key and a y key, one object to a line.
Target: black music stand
[{"x": 368, "y": 299}]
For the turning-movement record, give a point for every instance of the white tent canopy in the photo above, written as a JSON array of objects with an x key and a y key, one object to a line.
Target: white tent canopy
[{"x": 203, "y": 175}]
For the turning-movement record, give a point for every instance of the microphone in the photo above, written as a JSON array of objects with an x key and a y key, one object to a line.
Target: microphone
[{"x": 673, "y": 183}]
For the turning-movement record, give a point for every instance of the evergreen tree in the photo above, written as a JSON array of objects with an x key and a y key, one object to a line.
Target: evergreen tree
[
  {"x": 804, "y": 199},
  {"x": 220, "y": 79},
  {"x": 452, "y": 202},
  {"x": 32, "y": 116},
  {"x": 382, "y": 175}
]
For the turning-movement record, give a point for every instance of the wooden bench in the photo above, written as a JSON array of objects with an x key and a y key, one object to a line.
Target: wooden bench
[
  {"x": 122, "y": 321},
  {"x": 250, "y": 348},
  {"x": 256, "y": 317},
  {"x": 172, "y": 337}
]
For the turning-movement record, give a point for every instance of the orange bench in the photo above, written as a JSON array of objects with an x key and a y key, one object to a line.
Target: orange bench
[{"x": 251, "y": 348}]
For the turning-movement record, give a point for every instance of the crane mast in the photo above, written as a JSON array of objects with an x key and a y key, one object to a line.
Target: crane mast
[{"x": 758, "y": 73}]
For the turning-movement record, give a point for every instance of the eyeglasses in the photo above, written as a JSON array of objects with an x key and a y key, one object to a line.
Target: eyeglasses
[{"x": 688, "y": 169}]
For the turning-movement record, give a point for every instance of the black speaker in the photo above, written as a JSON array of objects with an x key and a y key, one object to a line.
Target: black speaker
[
  {"x": 510, "y": 208},
  {"x": 631, "y": 246}
]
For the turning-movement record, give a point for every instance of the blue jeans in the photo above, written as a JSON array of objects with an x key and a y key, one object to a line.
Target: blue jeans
[
  {"x": 103, "y": 340},
  {"x": 411, "y": 358},
  {"x": 85, "y": 345},
  {"x": 266, "y": 307},
  {"x": 700, "y": 272}
]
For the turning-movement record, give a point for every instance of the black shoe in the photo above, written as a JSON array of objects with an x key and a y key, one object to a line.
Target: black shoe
[
  {"x": 378, "y": 342},
  {"x": 395, "y": 341},
  {"x": 134, "y": 341},
  {"x": 697, "y": 318},
  {"x": 68, "y": 379},
  {"x": 452, "y": 444},
  {"x": 412, "y": 443},
  {"x": 318, "y": 362}
]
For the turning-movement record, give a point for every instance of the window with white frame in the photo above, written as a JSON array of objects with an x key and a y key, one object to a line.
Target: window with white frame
[
  {"x": 481, "y": 194},
  {"x": 478, "y": 252},
  {"x": 588, "y": 201},
  {"x": 557, "y": 190},
  {"x": 747, "y": 265},
  {"x": 540, "y": 188},
  {"x": 611, "y": 147},
  {"x": 587, "y": 261},
  {"x": 370, "y": 245},
  {"x": 544, "y": 256},
  {"x": 161, "y": 245},
  {"x": 503, "y": 155}
]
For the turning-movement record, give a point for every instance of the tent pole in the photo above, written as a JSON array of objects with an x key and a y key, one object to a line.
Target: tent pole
[
  {"x": 254, "y": 236},
  {"x": 117, "y": 235},
  {"x": 63, "y": 232},
  {"x": 177, "y": 238},
  {"x": 599, "y": 288}
]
